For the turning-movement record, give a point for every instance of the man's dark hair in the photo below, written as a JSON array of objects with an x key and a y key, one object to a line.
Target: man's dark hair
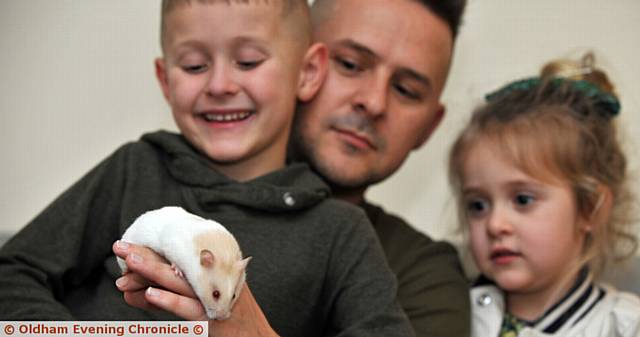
[{"x": 449, "y": 10}]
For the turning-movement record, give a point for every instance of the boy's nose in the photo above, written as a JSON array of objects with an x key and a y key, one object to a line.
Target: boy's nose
[{"x": 221, "y": 82}]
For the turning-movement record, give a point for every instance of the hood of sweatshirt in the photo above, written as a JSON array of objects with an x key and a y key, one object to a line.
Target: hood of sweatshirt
[{"x": 294, "y": 187}]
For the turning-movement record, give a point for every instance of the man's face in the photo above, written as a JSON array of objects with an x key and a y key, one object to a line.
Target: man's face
[{"x": 388, "y": 61}]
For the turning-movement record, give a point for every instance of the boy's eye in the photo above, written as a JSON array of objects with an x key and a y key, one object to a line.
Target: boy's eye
[
  {"x": 195, "y": 68},
  {"x": 248, "y": 64}
]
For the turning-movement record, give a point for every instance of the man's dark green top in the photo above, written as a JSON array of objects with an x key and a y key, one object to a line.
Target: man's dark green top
[
  {"x": 432, "y": 288},
  {"x": 317, "y": 267}
]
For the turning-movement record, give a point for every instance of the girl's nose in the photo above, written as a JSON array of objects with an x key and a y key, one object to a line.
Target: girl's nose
[{"x": 498, "y": 222}]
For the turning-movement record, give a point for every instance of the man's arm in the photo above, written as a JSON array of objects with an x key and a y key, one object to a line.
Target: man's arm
[
  {"x": 432, "y": 287},
  {"x": 152, "y": 284}
]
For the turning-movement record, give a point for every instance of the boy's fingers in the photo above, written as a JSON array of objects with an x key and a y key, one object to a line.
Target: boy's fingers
[
  {"x": 186, "y": 307},
  {"x": 158, "y": 273},
  {"x": 148, "y": 268},
  {"x": 132, "y": 282},
  {"x": 137, "y": 299},
  {"x": 123, "y": 249}
]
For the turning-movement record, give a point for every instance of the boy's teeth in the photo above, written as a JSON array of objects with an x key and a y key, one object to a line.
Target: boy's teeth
[{"x": 226, "y": 117}]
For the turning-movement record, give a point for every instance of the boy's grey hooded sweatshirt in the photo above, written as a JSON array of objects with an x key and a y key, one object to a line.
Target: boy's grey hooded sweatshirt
[{"x": 317, "y": 267}]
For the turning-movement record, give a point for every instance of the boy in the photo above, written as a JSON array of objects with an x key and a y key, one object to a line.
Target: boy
[{"x": 231, "y": 73}]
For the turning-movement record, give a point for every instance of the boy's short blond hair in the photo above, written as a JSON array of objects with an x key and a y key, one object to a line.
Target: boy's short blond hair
[{"x": 295, "y": 12}]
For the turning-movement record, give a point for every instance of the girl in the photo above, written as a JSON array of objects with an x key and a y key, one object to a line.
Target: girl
[{"x": 539, "y": 177}]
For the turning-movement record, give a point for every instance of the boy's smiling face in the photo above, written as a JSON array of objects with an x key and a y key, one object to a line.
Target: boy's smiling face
[{"x": 231, "y": 75}]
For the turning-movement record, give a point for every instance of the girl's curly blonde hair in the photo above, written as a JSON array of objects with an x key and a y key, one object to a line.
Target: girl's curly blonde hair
[{"x": 551, "y": 128}]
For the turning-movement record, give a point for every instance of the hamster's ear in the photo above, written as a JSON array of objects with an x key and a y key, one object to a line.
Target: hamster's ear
[
  {"x": 206, "y": 258},
  {"x": 242, "y": 264}
]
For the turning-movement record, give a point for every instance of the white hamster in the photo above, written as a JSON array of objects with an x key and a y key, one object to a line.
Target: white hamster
[{"x": 203, "y": 250}]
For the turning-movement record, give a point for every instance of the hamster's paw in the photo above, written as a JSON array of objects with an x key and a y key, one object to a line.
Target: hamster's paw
[{"x": 177, "y": 270}]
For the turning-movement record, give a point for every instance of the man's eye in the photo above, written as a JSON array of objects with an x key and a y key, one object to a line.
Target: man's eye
[
  {"x": 195, "y": 69},
  {"x": 347, "y": 65},
  {"x": 406, "y": 92},
  {"x": 248, "y": 64}
]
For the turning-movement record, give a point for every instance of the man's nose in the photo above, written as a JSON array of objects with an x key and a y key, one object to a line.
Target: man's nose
[{"x": 372, "y": 96}]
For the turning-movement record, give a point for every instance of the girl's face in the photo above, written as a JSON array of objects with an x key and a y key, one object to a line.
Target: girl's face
[{"x": 526, "y": 234}]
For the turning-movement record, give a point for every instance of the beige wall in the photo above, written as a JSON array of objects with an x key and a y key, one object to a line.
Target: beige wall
[{"x": 77, "y": 82}]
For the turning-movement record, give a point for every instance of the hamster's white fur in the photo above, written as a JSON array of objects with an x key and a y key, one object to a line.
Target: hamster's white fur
[{"x": 203, "y": 250}]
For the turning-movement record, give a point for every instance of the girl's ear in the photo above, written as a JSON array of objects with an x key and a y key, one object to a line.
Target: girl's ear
[
  {"x": 313, "y": 71},
  {"x": 601, "y": 209}
]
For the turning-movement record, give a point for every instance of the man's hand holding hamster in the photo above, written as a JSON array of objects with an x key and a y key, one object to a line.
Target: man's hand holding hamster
[{"x": 151, "y": 283}]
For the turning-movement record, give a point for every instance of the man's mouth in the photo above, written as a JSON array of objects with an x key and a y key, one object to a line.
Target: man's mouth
[
  {"x": 357, "y": 139},
  {"x": 226, "y": 117}
]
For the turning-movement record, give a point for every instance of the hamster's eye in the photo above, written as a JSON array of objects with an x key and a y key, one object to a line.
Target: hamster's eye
[
  {"x": 216, "y": 294},
  {"x": 233, "y": 297}
]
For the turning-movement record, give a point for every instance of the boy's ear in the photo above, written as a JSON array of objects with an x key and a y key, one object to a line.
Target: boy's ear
[
  {"x": 161, "y": 75},
  {"x": 312, "y": 71},
  {"x": 438, "y": 115}
]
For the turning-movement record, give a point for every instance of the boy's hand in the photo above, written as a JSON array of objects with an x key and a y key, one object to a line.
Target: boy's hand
[{"x": 151, "y": 284}]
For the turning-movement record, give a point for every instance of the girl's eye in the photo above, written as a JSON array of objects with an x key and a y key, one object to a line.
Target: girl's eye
[
  {"x": 195, "y": 69},
  {"x": 475, "y": 207},
  {"x": 523, "y": 200},
  {"x": 216, "y": 294}
]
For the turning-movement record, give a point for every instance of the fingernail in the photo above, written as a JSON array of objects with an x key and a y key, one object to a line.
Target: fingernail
[
  {"x": 136, "y": 258},
  {"x": 121, "y": 282},
  {"x": 152, "y": 292},
  {"x": 122, "y": 245}
]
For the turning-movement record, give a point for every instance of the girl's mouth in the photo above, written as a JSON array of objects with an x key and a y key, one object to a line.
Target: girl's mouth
[{"x": 503, "y": 256}]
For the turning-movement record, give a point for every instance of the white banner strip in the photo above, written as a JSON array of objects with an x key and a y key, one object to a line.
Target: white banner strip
[{"x": 104, "y": 329}]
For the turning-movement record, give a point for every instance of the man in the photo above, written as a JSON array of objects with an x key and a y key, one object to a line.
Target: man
[
  {"x": 388, "y": 65},
  {"x": 388, "y": 62}
]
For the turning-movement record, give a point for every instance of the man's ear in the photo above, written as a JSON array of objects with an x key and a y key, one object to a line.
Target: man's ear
[
  {"x": 161, "y": 75},
  {"x": 312, "y": 71},
  {"x": 432, "y": 126}
]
